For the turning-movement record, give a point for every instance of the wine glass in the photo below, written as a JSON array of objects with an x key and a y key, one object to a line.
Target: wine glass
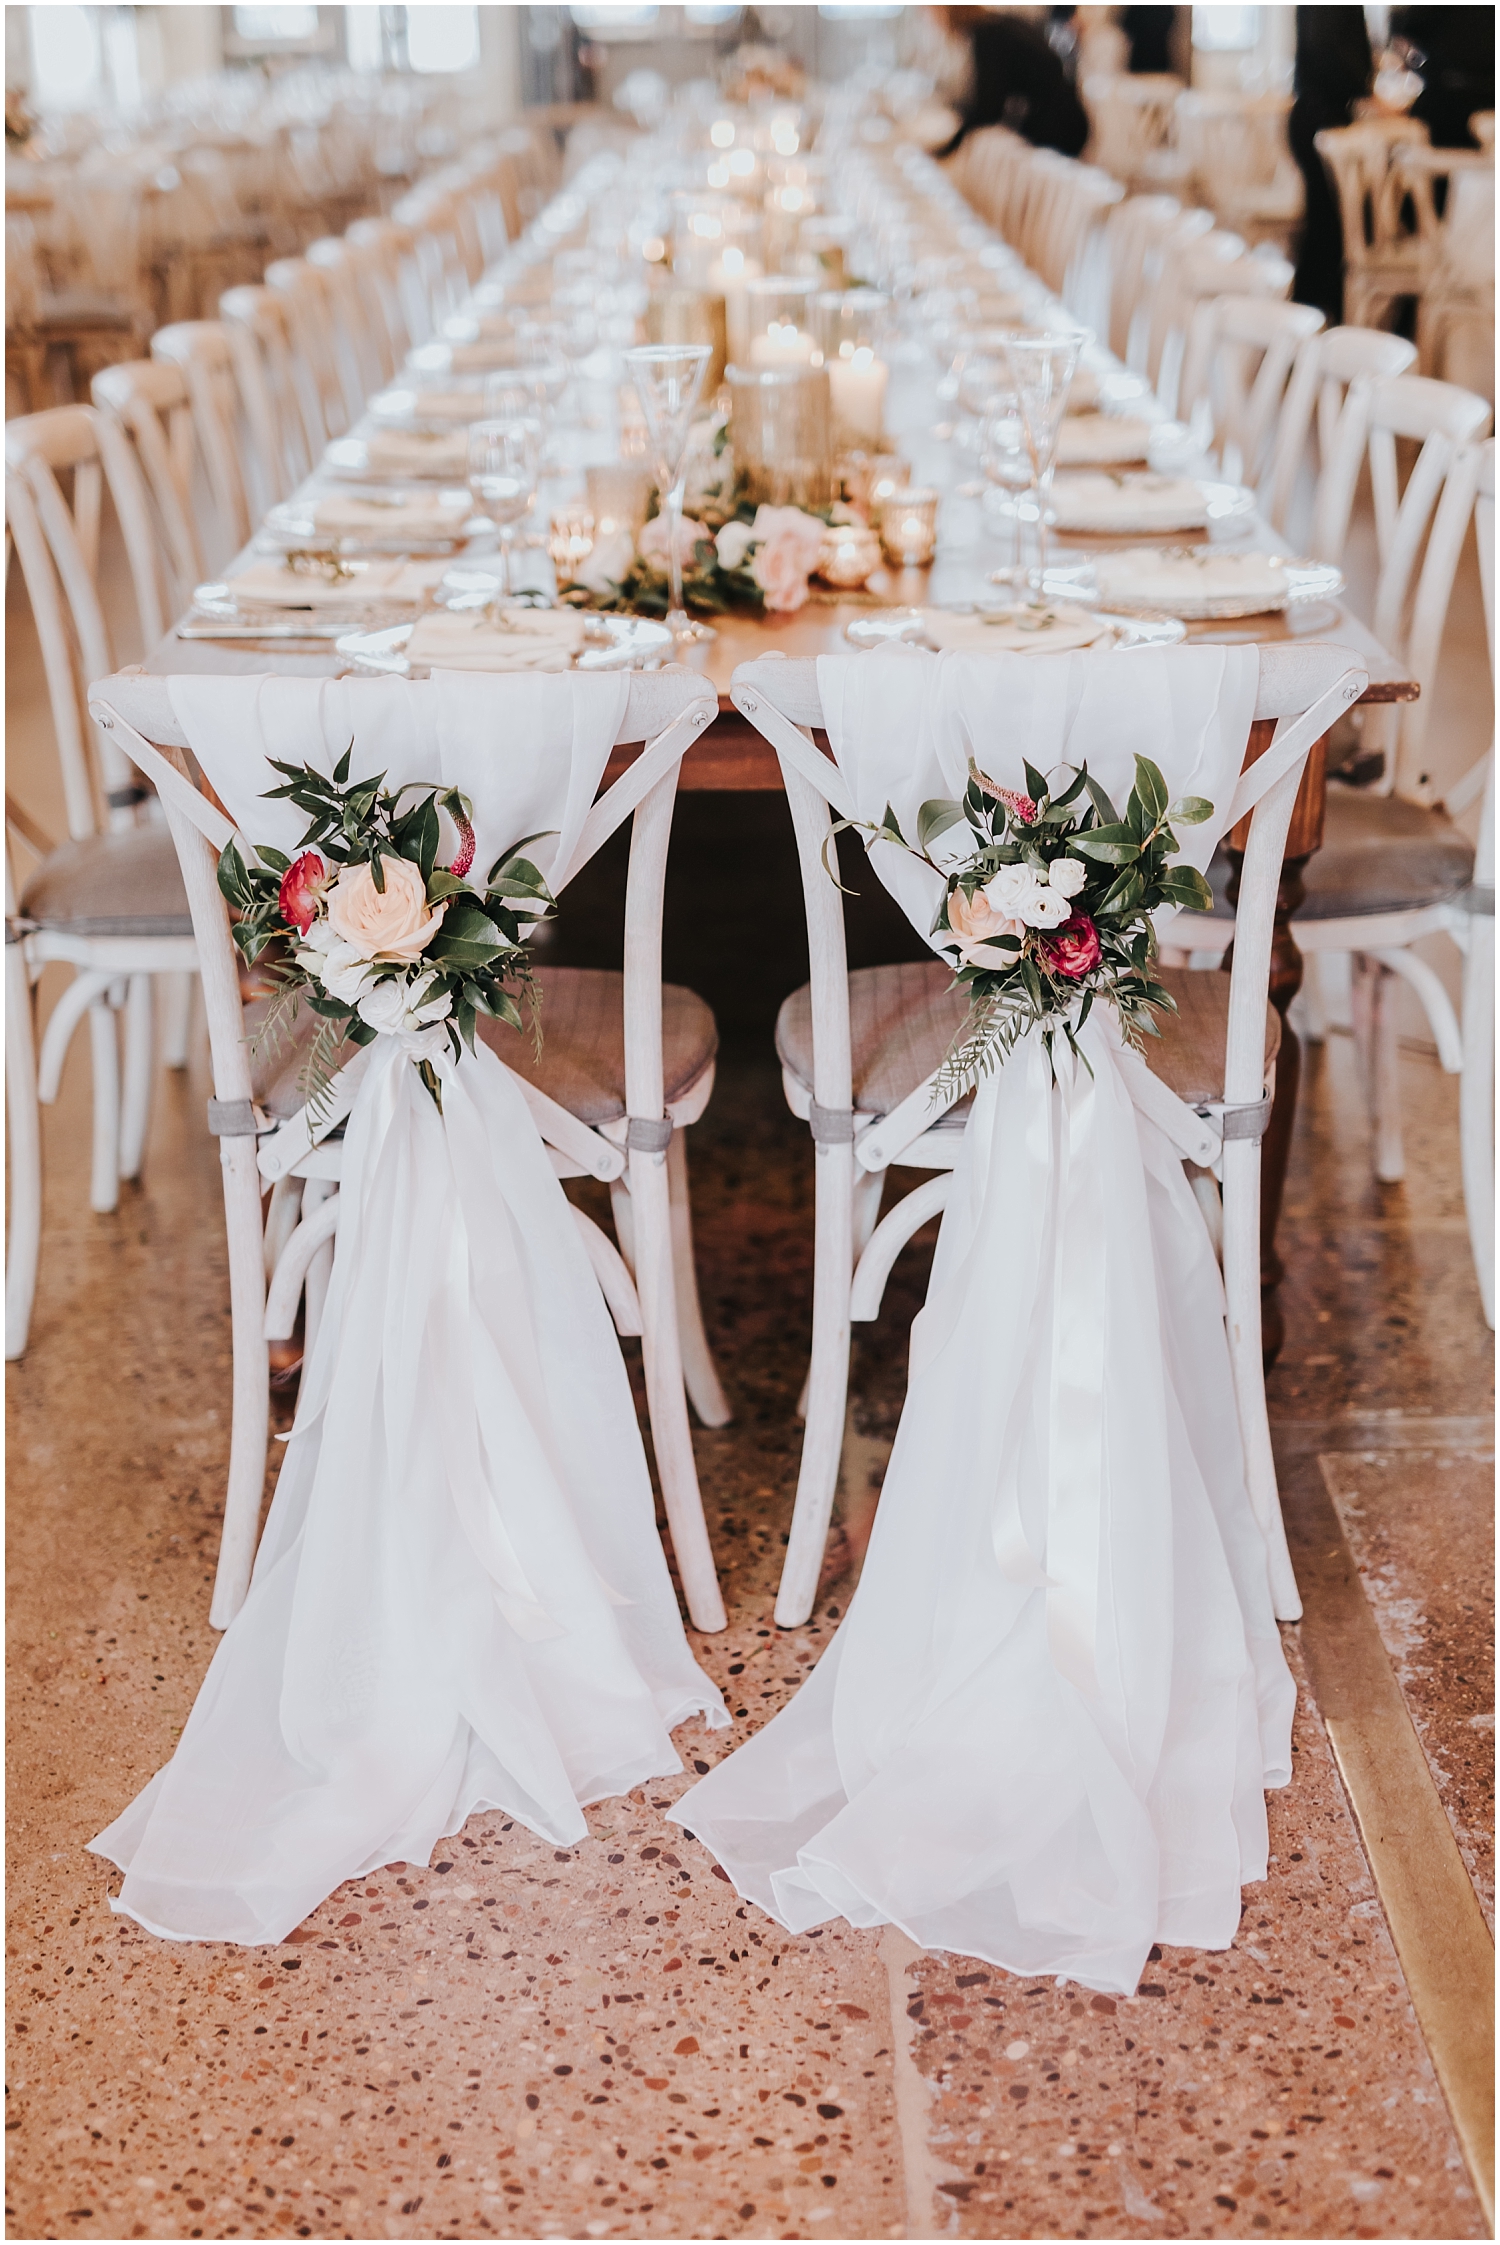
[
  {"x": 503, "y": 458},
  {"x": 668, "y": 378},
  {"x": 1042, "y": 365},
  {"x": 1007, "y": 466}
]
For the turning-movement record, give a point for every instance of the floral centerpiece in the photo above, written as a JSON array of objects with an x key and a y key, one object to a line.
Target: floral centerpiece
[
  {"x": 366, "y": 929},
  {"x": 1047, "y": 903},
  {"x": 759, "y": 561}
]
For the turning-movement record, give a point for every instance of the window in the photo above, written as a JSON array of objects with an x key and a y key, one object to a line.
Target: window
[
  {"x": 442, "y": 39},
  {"x": 1226, "y": 30},
  {"x": 600, "y": 22},
  {"x": 364, "y": 42},
  {"x": 273, "y": 27},
  {"x": 66, "y": 60}
]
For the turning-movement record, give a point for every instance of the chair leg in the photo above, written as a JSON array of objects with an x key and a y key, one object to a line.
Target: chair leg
[
  {"x": 1241, "y": 1221},
  {"x": 671, "y": 1438},
  {"x": 24, "y": 1118},
  {"x": 698, "y": 1367},
  {"x": 624, "y": 1217},
  {"x": 104, "y": 1189},
  {"x": 1476, "y": 1105},
  {"x": 827, "y": 1385},
  {"x": 252, "y": 1397},
  {"x": 177, "y": 1018},
  {"x": 140, "y": 1057},
  {"x": 1390, "y": 1154}
]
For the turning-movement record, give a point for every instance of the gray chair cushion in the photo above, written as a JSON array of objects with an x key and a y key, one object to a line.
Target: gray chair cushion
[
  {"x": 121, "y": 883},
  {"x": 1380, "y": 854},
  {"x": 582, "y": 1062},
  {"x": 903, "y": 1019}
]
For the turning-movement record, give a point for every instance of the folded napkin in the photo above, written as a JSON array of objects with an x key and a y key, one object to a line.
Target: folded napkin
[
  {"x": 1102, "y": 440},
  {"x": 515, "y": 639},
  {"x": 1041, "y": 628},
  {"x": 1180, "y": 580},
  {"x": 1084, "y": 501},
  {"x": 276, "y": 584},
  {"x": 436, "y": 402},
  {"x": 442, "y": 516},
  {"x": 409, "y": 452}
]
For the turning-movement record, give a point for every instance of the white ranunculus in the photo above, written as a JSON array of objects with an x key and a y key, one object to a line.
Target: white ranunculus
[
  {"x": 1011, "y": 890},
  {"x": 1046, "y": 908},
  {"x": 733, "y": 543},
  {"x": 1067, "y": 875},
  {"x": 328, "y": 959},
  {"x": 399, "y": 1007}
]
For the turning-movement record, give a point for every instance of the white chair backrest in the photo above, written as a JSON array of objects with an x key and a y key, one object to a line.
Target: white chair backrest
[
  {"x": 144, "y": 406},
  {"x": 1192, "y": 265},
  {"x": 1429, "y": 607},
  {"x": 1325, "y": 367},
  {"x": 201, "y": 348},
  {"x": 1236, "y": 366},
  {"x": 277, "y": 385},
  {"x": 1132, "y": 230},
  {"x": 1376, "y": 413},
  {"x": 58, "y": 546},
  {"x": 306, "y": 293},
  {"x": 386, "y": 248},
  {"x": 1358, "y": 160},
  {"x": 358, "y": 353},
  {"x": 667, "y": 710},
  {"x": 1302, "y": 687}
]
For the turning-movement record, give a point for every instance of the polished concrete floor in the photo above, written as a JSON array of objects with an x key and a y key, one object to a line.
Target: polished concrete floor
[{"x": 428, "y": 2059}]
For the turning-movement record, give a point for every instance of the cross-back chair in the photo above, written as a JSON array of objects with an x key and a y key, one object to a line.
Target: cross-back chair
[
  {"x": 626, "y": 1065},
  {"x": 203, "y": 352},
  {"x": 282, "y": 404},
  {"x": 1236, "y": 366},
  {"x": 316, "y": 343},
  {"x": 108, "y": 901},
  {"x": 1383, "y": 262},
  {"x": 861, "y": 1054},
  {"x": 359, "y": 347},
  {"x": 1327, "y": 366}
]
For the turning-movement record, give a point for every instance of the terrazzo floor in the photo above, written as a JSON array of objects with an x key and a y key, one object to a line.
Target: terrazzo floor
[{"x": 521, "y": 2041}]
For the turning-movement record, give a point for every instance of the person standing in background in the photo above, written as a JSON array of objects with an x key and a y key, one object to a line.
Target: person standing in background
[
  {"x": 1017, "y": 81},
  {"x": 1332, "y": 73},
  {"x": 1149, "y": 31},
  {"x": 1453, "y": 52}
]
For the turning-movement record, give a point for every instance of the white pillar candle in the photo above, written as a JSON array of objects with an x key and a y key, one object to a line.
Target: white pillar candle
[
  {"x": 858, "y": 385},
  {"x": 783, "y": 345}
]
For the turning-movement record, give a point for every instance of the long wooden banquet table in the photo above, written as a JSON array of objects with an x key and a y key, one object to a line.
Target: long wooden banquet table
[{"x": 733, "y": 757}]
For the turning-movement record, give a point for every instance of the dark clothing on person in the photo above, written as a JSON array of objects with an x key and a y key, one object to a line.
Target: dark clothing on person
[
  {"x": 1332, "y": 72},
  {"x": 1455, "y": 59},
  {"x": 1149, "y": 31},
  {"x": 1018, "y": 81}
]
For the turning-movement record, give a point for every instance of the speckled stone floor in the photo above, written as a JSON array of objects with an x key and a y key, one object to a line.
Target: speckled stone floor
[{"x": 603, "y": 2041}]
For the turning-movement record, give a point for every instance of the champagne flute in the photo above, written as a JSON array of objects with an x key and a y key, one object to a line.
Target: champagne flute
[
  {"x": 1007, "y": 466},
  {"x": 668, "y": 378},
  {"x": 1042, "y": 365},
  {"x": 502, "y": 478}
]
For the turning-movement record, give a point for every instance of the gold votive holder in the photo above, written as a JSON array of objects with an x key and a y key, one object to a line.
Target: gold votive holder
[
  {"x": 780, "y": 428},
  {"x": 869, "y": 478},
  {"x": 691, "y": 315},
  {"x": 850, "y": 556},
  {"x": 908, "y": 527},
  {"x": 618, "y": 495},
  {"x": 571, "y": 541}
]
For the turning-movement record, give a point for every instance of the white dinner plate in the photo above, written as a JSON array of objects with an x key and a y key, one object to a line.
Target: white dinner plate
[
  {"x": 1097, "y": 502},
  {"x": 613, "y": 643},
  {"x": 909, "y": 624},
  {"x": 1198, "y": 583}
]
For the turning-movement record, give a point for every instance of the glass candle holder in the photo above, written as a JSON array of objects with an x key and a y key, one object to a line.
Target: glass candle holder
[
  {"x": 781, "y": 431},
  {"x": 870, "y": 477},
  {"x": 846, "y": 320},
  {"x": 691, "y": 315},
  {"x": 618, "y": 494},
  {"x": 778, "y": 321},
  {"x": 908, "y": 527},
  {"x": 571, "y": 541}
]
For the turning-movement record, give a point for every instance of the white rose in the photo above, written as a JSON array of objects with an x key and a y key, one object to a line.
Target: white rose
[
  {"x": 397, "y": 1007},
  {"x": 1067, "y": 875},
  {"x": 733, "y": 543},
  {"x": 328, "y": 959},
  {"x": 1046, "y": 908},
  {"x": 1011, "y": 889}
]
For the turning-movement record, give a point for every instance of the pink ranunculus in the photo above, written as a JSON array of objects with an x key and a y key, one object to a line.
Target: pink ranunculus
[
  {"x": 463, "y": 856},
  {"x": 789, "y": 551},
  {"x": 302, "y": 885},
  {"x": 653, "y": 541},
  {"x": 975, "y": 922},
  {"x": 1074, "y": 951}
]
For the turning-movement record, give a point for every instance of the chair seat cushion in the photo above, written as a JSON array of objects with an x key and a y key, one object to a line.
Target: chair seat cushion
[
  {"x": 903, "y": 1020},
  {"x": 125, "y": 883},
  {"x": 582, "y": 1060},
  {"x": 1381, "y": 854}
]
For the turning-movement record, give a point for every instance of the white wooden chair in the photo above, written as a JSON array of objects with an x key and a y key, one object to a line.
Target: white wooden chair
[
  {"x": 1133, "y": 230},
  {"x": 393, "y": 245},
  {"x": 316, "y": 343},
  {"x": 861, "y": 1052},
  {"x": 1236, "y": 367},
  {"x": 1242, "y": 166},
  {"x": 280, "y": 393},
  {"x": 1326, "y": 367},
  {"x": 1476, "y": 1091},
  {"x": 1383, "y": 262},
  {"x": 1393, "y": 867},
  {"x": 626, "y": 1065},
  {"x": 202, "y": 350},
  {"x": 1196, "y": 276},
  {"x": 109, "y": 901},
  {"x": 358, "y": 346}
]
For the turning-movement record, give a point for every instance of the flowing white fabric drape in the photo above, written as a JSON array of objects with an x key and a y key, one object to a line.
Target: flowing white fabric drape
[
  {"x": 1042, "y": 1732},
  {"x": 460, "y": 1600}
]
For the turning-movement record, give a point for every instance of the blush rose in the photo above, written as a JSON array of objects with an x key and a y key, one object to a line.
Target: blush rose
[
  {"x": 396, "y": 923},
  {"x": 976, "y": 923}
]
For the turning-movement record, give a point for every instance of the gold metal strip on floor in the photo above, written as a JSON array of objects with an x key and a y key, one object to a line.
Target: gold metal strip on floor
[
  {"x": 1441, "y": 1938},
  {"x": 1381, "y": 1431}
]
